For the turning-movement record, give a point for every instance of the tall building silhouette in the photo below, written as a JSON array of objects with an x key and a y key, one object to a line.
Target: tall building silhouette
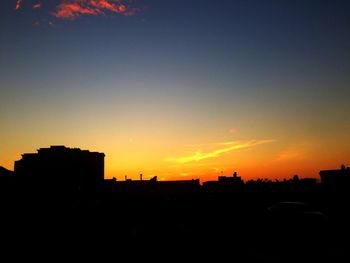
[{"x": 61, "y": 169}]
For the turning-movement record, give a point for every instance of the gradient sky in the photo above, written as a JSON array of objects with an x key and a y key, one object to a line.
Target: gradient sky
[{"x": 179, "y": 89}]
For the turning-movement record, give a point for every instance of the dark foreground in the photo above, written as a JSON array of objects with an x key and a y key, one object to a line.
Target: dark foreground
[{"x": 220, "y": 227}]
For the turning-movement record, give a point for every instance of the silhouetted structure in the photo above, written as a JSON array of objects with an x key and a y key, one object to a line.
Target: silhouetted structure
[
  {"x": 235, "y": 179},
  {"x": 290, "y": 211},
  {"x": 144, "y": 187},
  {"x": 179, "y": 186},
  {"x": 336, "y": 178},
  {"x": 5, "y": 172},
  {"x": 6, "y": 183},
  {"x": 224, "y": 182},
  {"x": 60, "y": 169}
]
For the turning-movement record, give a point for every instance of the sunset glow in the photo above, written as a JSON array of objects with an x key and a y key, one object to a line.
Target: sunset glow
[{"x": 179, "y": 89}]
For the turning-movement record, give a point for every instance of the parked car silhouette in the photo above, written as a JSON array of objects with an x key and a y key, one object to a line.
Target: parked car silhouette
[
  {"x": 295, "y": 208},
  {"x": 297, "y": 220}
]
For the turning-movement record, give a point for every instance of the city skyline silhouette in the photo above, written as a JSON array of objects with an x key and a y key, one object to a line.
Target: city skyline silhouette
[
  {"x": 175, "y": 130},
  {"x": 258, "y": 220}
]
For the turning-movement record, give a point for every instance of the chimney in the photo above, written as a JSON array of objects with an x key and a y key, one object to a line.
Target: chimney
[{"x": 140, "y": 177}]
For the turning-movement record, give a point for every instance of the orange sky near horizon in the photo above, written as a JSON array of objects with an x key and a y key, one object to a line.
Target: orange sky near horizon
[{"x": 205, "y": 159}]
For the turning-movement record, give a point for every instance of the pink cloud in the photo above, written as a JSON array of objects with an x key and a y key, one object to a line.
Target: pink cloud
[
  {"x": 37, "y": 6},
  {"x": 104, "y": 4},
  {"x": 71, "y": 9},
  {"x": 75, "y": 8},
  {"x": 18, "y": 4}
]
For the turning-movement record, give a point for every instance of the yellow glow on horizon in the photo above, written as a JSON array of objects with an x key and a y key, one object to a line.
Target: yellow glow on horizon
[{"x": 172, "y": 155}]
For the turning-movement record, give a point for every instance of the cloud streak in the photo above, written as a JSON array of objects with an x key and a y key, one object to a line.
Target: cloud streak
[
  {"x": 71, "y": 9},
  {"x": 299, "y": 151},
  {"x": 75, "y": 8},
  {"x": 199, "y": 155},
  {"x": 215, "y": 144},
  {"x": 232, "y": 130},
  {"x": 37, "y": 6},
  {"x": 18, "y": 4}
]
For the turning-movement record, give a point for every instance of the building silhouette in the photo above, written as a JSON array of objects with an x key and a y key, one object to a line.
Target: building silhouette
[
  {"x": 59, "y": 169},
  {"x": 336, "y": 178},
  {"x": 235, "y": 179},
  {"x": 5, "y": 172},
  {"x": 224, "y": 182},
  {"x": 152, "y": 186},
  {"x": 6, "y": 184}
]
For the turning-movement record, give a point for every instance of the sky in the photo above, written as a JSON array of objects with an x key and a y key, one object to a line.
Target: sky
[{"x": 179, "y": 89}]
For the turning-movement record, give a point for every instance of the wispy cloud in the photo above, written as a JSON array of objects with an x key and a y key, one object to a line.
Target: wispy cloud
[
  {"x": 18, "y": 4},
  {"x": 232, "y": 130},
  {"x": 199, "y": 155},
  {"x": 37, "y": 6},
  {"x": 299, "y": 151},
  {"x": 289, "y": 155},
  {"x": 71, "y": 9},
  {"x": 75, "y": 8},
  {"x": 218, "y": 143}
]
